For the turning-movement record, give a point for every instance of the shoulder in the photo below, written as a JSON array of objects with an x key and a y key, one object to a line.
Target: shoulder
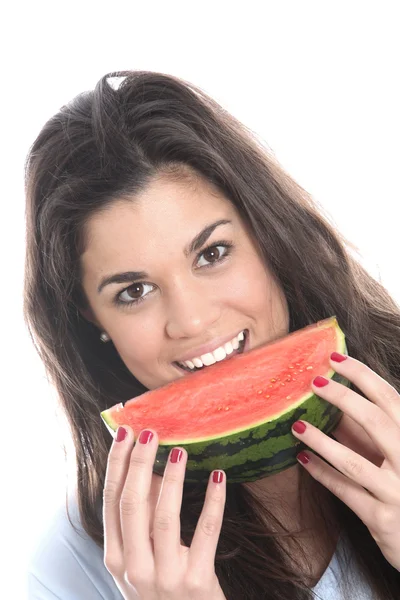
[
  {"x": 67, "y": 564},
  {"x": 342, "y": 578}
]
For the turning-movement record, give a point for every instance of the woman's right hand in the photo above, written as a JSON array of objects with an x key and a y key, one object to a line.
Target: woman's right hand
[{"x": 161, "y": 568}]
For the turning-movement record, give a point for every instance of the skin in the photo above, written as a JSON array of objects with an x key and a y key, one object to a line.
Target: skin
[{"x": 187, "y": 304}]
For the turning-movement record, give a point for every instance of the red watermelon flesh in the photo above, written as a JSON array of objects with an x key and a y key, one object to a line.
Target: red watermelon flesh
[{"x": 225, "y": 407}]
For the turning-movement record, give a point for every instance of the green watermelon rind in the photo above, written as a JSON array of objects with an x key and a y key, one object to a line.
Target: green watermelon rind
[
  {"x": 238, "y": 453},
  {"x": 244, "y": 460},
  {"x": 111, "y": 425}
]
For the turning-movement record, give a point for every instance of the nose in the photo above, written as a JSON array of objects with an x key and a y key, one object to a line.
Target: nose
[{"x": 190, "y": 312}]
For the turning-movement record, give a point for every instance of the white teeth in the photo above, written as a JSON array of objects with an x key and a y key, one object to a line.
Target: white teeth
[
  {"x": 217, "y": 355},
  {"x": 208, "y": 359},
  {"x": 228, "y": 348}
]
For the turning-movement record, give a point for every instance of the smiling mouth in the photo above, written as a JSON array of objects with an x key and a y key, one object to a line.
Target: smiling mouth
[{"x": 240, "y": 350}]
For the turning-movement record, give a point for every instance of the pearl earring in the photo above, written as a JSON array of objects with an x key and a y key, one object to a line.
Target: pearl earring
[{"x": 104, "y": 337}]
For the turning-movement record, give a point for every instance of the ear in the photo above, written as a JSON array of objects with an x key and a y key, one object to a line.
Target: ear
[{"x": 88, "y": 315}]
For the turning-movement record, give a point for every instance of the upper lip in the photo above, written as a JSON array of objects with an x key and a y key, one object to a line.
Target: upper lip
[{"x": 209, "y": 347}]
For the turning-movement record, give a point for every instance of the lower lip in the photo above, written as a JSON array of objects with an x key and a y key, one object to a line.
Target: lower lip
[{"x": 245, "y": 349}]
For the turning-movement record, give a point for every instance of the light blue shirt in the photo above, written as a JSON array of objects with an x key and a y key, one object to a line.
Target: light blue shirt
[
  {"x": 331, "y": 585},
  {"x": 69, "y": 566}
]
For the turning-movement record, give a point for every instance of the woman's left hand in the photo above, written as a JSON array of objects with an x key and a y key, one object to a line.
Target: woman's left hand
[{"x": 367, "y": 478}]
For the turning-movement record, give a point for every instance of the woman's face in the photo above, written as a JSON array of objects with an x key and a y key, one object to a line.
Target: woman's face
[{"x": 189, "y": 297}]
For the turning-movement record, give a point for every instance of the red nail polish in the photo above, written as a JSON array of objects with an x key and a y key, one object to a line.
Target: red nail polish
[
  {"x": 145, "y": 437},
  {"x": 218, "y": 476},
  {"x": 303, "y": 457},
  {"x": 338, "y": 357},
  {"x": 299, "y": 427},
  {"x": 176, "y": 455},
  {"x": 121, "y": 434},
  {"x": 320, "y": 381}
]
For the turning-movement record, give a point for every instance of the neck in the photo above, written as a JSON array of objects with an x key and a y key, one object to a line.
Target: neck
[
  {"x": 304, "y": 508},
  {"x": 282, "y": 493}
]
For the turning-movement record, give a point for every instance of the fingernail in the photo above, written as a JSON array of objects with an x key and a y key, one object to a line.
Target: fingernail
[
  {"x": 338, "y": 357},
  {"x": 303, "y": 457},
  {"x": 218, "y": 476},
  {"x": 299, "y": 427},
  {"x": 320, "y": 381},
  {"x": 176, "y": 455},
  {"x": 145, "y": 437},
  {"x": 121, "y": 434}
]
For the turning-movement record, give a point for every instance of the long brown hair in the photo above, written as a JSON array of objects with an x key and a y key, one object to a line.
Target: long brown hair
[{"x": 110, "y": 143}]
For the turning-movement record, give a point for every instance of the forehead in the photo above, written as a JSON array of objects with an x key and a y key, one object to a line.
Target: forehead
[{"x": 167, "y": 215}]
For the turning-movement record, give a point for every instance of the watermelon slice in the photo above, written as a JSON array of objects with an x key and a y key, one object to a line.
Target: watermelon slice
[{"x": 237, "y": 414}]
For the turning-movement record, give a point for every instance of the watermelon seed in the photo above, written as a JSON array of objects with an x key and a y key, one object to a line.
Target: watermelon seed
[
  {"x": 294, "y": 379},
  {"x": 301, "y": 370},
  {"x": 288, "y": 397},
  {"x": 282, "y": 383},
  {"x": 297, "y": 364},
  {"x": 273, "y": 380},
  {"x": 227, "y": 408},
  {"x": 289, "y": 378},
  {"x": 259, "y": 392},
  {"x": 270, "y": 386},
  {"x": 267, "y": 396},
  {"x": 291, "y": 367},
  {"x": 308, "y": 368}
]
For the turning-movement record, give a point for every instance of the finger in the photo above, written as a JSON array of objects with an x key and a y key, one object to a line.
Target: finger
[
  {"x": 167, "y": 516},
  {"x": 348, "y": 491},
  {"x": 117, "y": 468},
  {"x": 205, "y": 540},
  {"x": 351, "y": 434},
  {"x": 379, "y": 425},
  {"x": 375, "y": 388},
  {"x": 135, "y": 505},
  {"x": 377, "y": 481},
  {"x": 155, "y": 491}
]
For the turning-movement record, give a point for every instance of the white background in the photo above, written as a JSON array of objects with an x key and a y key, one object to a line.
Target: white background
[{"x": 318, "y": 81}]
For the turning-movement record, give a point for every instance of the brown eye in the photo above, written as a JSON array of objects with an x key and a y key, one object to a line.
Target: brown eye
[
  {"x": 135, "y": 290},
  {"x": 211, "y": 254},
  {"x": 134, "y": 294}
]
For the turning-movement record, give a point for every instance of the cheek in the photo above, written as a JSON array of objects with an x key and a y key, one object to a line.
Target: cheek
[
  {"x": 253, "y": 291},
  {"x": 249, "y": 286},
  {"x": 138, "y": 343}
]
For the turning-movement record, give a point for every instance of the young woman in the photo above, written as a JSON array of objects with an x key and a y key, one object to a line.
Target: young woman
[{"x": 159, "y": 229}]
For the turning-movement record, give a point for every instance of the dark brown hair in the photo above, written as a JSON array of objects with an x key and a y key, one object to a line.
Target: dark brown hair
[{"x": 110, "y": 143}]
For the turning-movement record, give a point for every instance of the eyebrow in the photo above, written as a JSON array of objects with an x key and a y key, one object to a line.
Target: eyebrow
[{"x": 197, "y": 242}]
